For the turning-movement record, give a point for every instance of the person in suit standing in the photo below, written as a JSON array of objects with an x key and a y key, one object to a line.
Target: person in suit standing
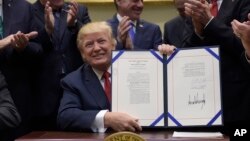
[
  {"x": 145, "y": 35},
  {"x": 212, "y": 26},
  {"x": 9, "y": 116},
  {"x": 18, "y": 58},
  {"x": 85, "y": 105},
  {"x": 242, "y": 30},
  {"x": 178, "y": 30},
  {"x": 58, "y": 25}
]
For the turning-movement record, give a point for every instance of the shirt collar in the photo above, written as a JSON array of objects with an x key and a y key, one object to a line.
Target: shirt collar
[
  {"x": 100, "y": 73},
  {"x": 219, "y": 3},
  {"x": 119, "y": 17}
]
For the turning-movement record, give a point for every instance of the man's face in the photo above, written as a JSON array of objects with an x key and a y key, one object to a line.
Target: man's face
[
  {"x": 96, "y": 49},
  {"x": 56, "y": 3},
  {"x": 130, "y": 8}
]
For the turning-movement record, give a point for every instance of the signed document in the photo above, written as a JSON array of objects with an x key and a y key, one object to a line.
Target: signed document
[
  {"x": 178, "y": 90},
  {"x": 193, "y": 82},
  {"x": 137, "y": 86}
]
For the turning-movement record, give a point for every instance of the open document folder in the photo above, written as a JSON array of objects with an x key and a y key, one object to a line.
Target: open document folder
[{"x": 179, "y": 90}]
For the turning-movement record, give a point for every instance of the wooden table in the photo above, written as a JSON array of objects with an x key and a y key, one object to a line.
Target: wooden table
[{"x": 77, "y": 136}]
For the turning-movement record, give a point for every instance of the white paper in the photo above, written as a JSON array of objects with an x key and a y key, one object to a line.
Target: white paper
[
  {"x": 198, "y": 134},
  {"x": 137, "y": 86},
  {"x": 194, "y": 87}
]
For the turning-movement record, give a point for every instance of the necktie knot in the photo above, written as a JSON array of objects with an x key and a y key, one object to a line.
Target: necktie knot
[{"x": 106, "y": 75}]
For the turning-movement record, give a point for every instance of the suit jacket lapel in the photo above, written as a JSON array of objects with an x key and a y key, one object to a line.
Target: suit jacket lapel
[
  {"x": 224, "y": 8},
  {"x": 95, "y": 88},
  {"x": 187, "y": 30}
]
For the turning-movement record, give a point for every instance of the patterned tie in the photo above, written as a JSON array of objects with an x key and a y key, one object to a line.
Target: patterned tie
[
  {"x": 56, "y": 33},
  {"x": 107, "y": 85},
  {"x": 214, "y": 8},
  {"x": 132, "y": 32}
]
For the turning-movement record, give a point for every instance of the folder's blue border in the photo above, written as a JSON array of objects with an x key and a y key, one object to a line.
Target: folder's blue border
[
  {"x": 165, "y": 61},
  {"x": 209, "y": 50}
]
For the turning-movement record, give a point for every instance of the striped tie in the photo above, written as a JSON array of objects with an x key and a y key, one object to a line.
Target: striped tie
[{"x": 132, "y": 32}]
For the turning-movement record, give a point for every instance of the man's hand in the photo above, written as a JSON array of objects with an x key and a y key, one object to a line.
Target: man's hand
[
  {"x": 199, "y": 10},
  {"x": 72, "y": 13},
  {"x": 166, "y": 49},
  {"x": 121, "y": 122},
  {"x": 49, "y": 18},
  {"x": 122, "y": 32},
  {"x": 18, "y": 41},
  {"x": 242, "y": 30}
]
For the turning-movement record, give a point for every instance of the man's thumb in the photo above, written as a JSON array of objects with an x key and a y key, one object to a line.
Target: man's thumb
[{"x": 32, "y": 34}]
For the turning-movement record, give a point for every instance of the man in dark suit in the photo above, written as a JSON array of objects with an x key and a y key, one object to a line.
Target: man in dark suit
[
  {"x": 215, "y": 29},
  {"x": 9, "y": 116},
  {"x": 178, "y": 30},
  {"x": 18, "y": 57},
  {"x": 146, "y": 35},
  {"x": 85, "y": 104},
  {"x": 58, "y": 23},
  {"x": 242, "y": 30}
]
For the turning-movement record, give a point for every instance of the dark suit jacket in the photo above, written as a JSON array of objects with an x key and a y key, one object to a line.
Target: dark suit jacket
[
  {"x": 19, "y": 67},
  {"x": 55, "y": 63},
  {"x": 9, "y": 116},
  {"x": 245, "y": 62},
  {"x": 147, "y": 35},
  {"x": 235, "y": 78},
  {"x": 178, "y": 31},
  {"x": 83, "y": 98}
]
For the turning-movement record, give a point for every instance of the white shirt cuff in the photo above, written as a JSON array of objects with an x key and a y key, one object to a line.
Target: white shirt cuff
[
  {"x": 209, "y": 21},
  {"x": 200, "y": 36},
  {"x": 98, "y": 124}
]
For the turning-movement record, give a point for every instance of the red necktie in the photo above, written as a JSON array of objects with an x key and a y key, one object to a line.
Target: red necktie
[
  {"x": 214, "y": 8},
  {"x": 107, "y": 85}
]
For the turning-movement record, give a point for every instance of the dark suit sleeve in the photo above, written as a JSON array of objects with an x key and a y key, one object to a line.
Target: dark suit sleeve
[
  {"x": 165, "y": 34},
  {"x": 71, "y": 114},
  {"x": 9, "y": 116},
  {"x": 245, "y": 62},
  {"x": 157, "y": 37},
  {"x": 219, "y": 30},
  {"x": 82, "y": 18}
]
